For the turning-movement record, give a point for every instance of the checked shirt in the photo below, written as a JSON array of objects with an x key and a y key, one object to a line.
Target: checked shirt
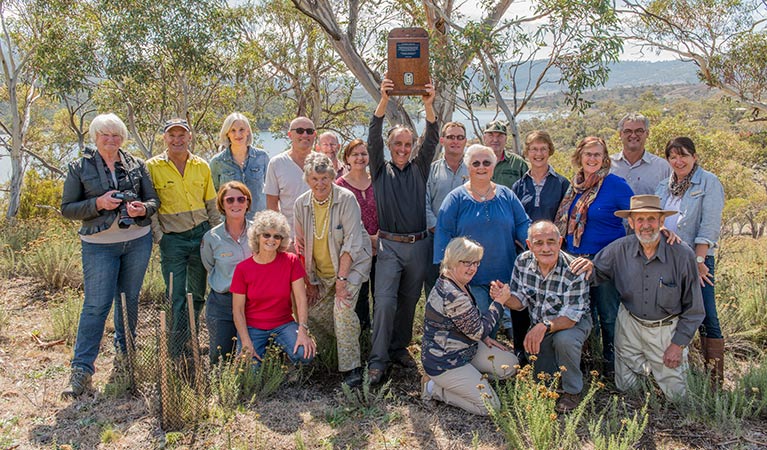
[{"x": 561, "y": 293}]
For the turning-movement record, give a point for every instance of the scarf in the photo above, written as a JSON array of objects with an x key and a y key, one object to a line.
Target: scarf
[
  {"x": 575, "y": 223},
  {"x": 679, "y": 187}
]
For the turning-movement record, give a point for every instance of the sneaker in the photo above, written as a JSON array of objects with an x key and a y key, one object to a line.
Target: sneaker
[
  {"x": 79, "y": 382},
  {"x": 567, "y": 402},
  {"x": 425, "y": 394},
  {"x": 353, "y": 377},
  {"x": 404, "y": 360}
]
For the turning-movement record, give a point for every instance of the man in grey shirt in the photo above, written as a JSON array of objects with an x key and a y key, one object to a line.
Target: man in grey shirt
[
  {"x": 446, "y": 174},
  {"x": 661, "y": 303},
  {"x": 641, "y": 169}
]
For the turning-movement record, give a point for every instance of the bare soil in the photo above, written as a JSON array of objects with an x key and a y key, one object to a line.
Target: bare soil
[{"x": 311, "y": 414}]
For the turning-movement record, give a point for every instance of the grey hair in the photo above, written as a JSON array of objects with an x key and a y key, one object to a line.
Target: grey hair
[
  {"x": 634, "y": 117},
  {"x": 476, "y": 148},
  {"x": 223, "y": 139},
  {"x": 267, "y": 220},
  {"x": 460, "y": 249},
  {"x": 105, "y": 123},
  {"x": 318, "y": 163},
  {"x": 540, "y": 226}
]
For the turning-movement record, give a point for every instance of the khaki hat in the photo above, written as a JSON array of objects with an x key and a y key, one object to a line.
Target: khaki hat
[
  {"x": 181, "y": 123},
  {"x": 646, "y": 204},
  {"x": 496, "y": 126}
]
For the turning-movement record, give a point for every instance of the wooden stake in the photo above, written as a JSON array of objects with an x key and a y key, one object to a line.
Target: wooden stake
[
  {"x": 130, "y": 353},
  {"x": 163, "y": 370},
  {"x": 195, "y": 343}
]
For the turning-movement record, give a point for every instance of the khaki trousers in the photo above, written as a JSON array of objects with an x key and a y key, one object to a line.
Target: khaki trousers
[
  {"x": 465, "y": 387},
  {"x": 639, "y": 351},
  {"x": 328, "y": 318}
]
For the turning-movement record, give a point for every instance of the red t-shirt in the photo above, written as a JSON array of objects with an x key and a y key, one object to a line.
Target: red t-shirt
[{"x": 267, "y": 289}]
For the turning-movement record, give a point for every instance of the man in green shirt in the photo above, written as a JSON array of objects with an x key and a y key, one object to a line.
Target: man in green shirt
[{"x": 510, "y": 166}]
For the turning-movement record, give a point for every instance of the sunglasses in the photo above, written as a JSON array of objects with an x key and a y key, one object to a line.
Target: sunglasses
[
  {"x": 486, "y": 163},
  {"x": 278, "y": 237},
  {"x": 455, "y": 137},
  {"x": 468, "y": 264},
  {"x": 239, "y": 199},
  {"x": 301, "y": 130}
]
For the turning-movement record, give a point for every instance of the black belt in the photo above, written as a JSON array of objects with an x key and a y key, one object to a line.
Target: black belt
[
  {"x": 655, "y": 323},
  {"x": 406, "y": 238}
]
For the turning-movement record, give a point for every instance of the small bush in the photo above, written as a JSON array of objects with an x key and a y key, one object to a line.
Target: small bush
[
  {"x": 617, "y": 429},
  {"x": 109, "y": 434},
  {"x": 53, "y": 259},
  {"x": 237, "y": 380},
  {"x": 65, "y": 316},
  {"x": 153, "y": 289},
  {"x": 365, "y": 400}
]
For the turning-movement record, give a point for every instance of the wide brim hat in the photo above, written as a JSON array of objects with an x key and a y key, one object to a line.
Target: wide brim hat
[{"x": 645, "y": 204}]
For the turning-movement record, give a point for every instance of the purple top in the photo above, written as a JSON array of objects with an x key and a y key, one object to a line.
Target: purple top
[{"x": 367, "y": 202}]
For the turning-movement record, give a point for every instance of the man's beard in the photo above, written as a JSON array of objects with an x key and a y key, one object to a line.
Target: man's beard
[{"x": 651, "y": 240}]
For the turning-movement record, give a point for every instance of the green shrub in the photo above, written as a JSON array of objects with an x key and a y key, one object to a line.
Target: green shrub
[
  {"x": 239, "y": 380},
  {"x": 65, "y": 316},
  {"x": 365, "y": 400},
  {"x": 54, "y": 259},
  {"x": 616, "y": 428}
]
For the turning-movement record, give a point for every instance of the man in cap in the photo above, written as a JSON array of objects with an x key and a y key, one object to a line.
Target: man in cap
[
  {"x": 187, "y": 211},
  {"x": 661, "y": 303},
  {"x": 558, "y": 303},
  {"x": 510, "y": 166},
  {"x": 641, "y": 169}
]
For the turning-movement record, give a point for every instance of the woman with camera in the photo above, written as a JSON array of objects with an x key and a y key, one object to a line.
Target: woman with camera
[{"x": 110, "y": 191}]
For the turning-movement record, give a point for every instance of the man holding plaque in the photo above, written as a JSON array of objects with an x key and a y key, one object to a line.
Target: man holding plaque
[{"x": 403, "y": 250}]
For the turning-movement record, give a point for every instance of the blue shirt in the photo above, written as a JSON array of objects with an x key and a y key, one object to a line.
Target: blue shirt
[
  {"x": 554, "y": 189},
  {"x": 495, "y": 224},
  {"x": 223, "y": 169},
  {"x": 602, "y": 225}
]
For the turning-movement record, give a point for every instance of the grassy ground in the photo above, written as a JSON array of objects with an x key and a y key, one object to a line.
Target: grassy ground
[{"x": 313, "y": 412}]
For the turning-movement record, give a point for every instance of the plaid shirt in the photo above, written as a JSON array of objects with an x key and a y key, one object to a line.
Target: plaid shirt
[{"x": 560, "y": 294}]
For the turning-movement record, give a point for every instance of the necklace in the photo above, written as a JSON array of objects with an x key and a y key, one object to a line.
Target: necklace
[
  {"x": 325, "y": 223},
  {"x": 484, "y": 196}
]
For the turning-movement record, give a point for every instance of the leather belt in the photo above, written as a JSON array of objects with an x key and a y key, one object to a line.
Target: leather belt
[
  {"x": 655, "y": 323},
  {"x": 405, "y": 238}
]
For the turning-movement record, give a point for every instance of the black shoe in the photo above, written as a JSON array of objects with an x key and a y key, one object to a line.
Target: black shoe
[
  {"x": 509, "y": 333},
  {"x": 375, "y": 376},
  {"x": 79, "y": 382},
  {"x": 522, "y": 358},
  {"x": 353, "y": 377},
  {"x": 404, "y": 360}
]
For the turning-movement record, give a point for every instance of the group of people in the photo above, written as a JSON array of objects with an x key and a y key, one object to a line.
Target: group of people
[{"x": 295, "y": 248}]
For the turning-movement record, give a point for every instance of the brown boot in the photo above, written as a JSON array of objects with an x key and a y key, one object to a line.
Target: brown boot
[
  {"x": 704, "y": 353},
  {"x": 715, "y": 360}
]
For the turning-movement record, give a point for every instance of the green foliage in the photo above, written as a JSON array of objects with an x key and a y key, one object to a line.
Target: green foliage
[
  {"x": 53, "y": 258},
  {"x": 616, "y": 428},
  {"x": 41, "y": 197},
  {"x": 365, "y": 401},
  {"x": 109, "y": 434},
  {"x": 239, "y": 380},
  {"x": 65, "y": 316}
]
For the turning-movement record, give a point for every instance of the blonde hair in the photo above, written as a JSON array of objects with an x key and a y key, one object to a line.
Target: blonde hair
[
  {"x": 460, "y": 249},
  {"x": 223, "y": 138}
]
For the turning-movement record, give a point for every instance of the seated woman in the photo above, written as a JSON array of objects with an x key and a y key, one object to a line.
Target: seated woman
[
  {"x": 453, "y": 357},
  {"x": 223, "y": 247},
  {"x": 261, "y": 289},
  {"x": 336, "y": 251}
]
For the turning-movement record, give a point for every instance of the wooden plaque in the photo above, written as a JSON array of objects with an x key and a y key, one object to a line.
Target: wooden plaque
[{"x": 408, "y": 64}]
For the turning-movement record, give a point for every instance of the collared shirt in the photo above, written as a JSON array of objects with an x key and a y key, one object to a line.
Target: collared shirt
[
  {"x": 401, "y": 193},
  {"x": 541, "y": 201},
  {"x": 220, "y": 255},
  {"x": 510, "y": 169},
  {"x": 186, "y": 201},
  {"x": 655, "y": 288},
  {"x": 285, "y": 180},
  {"x": 223, "y": 169},
  {"x": 644, "y": 175},
  {"x": 561, "y": 293},
  {"x": 441, "y": 181}
]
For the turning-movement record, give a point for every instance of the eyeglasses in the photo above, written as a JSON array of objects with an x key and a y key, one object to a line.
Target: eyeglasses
[
  {"x": 455, "y": 137},
  {"x": 278, "y": 237},
  {"x": 638, "y": 131},
  {"x": 239, "y": 199},
  {"x": 468, "y": 264},
  {"x": 301, "y": 130},
  {"x": 486, "y": 163}
]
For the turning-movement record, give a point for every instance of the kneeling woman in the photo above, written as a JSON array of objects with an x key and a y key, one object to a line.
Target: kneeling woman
[
  {"x": 261, "y": 289},
  {"x": 457, "y": 347},
  {"x": 336, "y": 249}
]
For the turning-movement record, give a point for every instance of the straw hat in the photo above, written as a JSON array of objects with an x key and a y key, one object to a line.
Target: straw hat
[{"x": 646, "y": 204}]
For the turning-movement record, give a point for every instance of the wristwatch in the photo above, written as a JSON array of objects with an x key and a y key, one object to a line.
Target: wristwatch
[
  {"x": 340, "y": 278},
  {"x": 548, "y": 325},
  {"x": 700, "y": 259}
]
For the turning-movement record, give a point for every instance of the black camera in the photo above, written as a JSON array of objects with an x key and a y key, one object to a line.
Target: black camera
[{"x": 124, "y": 220}]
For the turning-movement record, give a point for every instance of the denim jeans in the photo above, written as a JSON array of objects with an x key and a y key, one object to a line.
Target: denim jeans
[
  {"x": 284, "y": 336},
  {"x": 710, "y": 326},
  {"x": 481, "y": 293},
  {"x": 180, "y": 255},
  {"x": 605, "y": 300},
  {"x": 108, "y": 270},
  {"x": 221, "y": 329}
]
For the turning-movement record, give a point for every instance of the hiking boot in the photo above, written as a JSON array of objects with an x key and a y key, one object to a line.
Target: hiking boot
[
  {"x": 375, "y": 376},
  {"x": 425, "y": 394},
  {"x": 404, "y": 360},
  {"x": 353, "y": 377},
  {"x": 79, "y": 382},
  {"x": 567, "y": 402}
]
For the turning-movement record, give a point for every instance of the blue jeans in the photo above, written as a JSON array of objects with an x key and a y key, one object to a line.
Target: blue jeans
[
  {"x": 221, "y": 329},
  {"x": 710, "y": 326},
  {"x": 605, "y": 300},
  {"x": 284, "y": 336},
  {"x": 481, "y": 293},
  {"x": 108, "y": 270}
]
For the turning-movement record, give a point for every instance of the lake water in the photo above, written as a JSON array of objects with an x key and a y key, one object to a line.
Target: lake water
[{"x": 274, "y": 145}]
